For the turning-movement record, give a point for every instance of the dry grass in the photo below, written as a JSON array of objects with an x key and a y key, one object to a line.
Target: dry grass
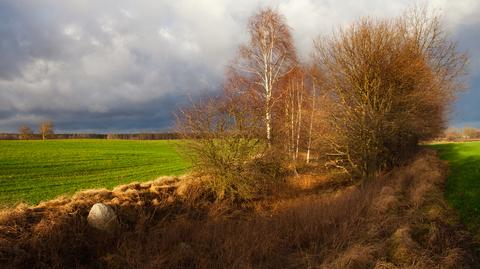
[{"x": 396, "y": 221}]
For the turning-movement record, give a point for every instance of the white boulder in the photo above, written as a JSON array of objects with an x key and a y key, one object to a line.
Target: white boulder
[{"x": 102, "y": 217}]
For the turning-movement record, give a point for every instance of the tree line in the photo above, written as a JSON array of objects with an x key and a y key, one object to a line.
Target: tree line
[
  {"x": 46, "y": 131},
  {"x": 460, "y": 134},
  {"x": 369, "y": 93}
]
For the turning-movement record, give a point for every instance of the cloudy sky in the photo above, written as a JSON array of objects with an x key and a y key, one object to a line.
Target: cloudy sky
[{"x": 125, "y": 66}]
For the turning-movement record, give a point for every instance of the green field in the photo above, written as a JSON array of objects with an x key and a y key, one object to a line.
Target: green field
[
  {"x": 463, "y": 184},
  {"x": 32, "y": 171}
]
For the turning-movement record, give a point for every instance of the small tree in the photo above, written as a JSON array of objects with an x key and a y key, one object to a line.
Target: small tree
[
  {"x": 25, "y": 132},
  {"x": 470, "y": 132},
  {"x": 46, "y": 129}
]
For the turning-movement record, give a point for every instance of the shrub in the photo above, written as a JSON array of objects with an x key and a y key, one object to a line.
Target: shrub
[
  {"x": 389, "y": 83},
  {"x": 224, "y": 146}
]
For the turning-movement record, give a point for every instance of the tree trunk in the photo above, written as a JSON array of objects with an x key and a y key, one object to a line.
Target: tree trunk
[
  {"x": 299, "y": 119},
  {"x": 269, "y": 127},
  {"x": 311, "y": 122},
  {"x": 292, "y": 121}
]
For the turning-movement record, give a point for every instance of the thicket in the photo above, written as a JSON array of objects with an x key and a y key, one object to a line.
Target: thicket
[
  {"x": 360, "y": 104},
  {"x": 389, "y": 84}
]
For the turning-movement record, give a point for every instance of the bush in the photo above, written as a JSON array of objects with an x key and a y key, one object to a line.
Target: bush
[
  {"x": 224, "y": 146},
  {"x": 388, "y": 83}
]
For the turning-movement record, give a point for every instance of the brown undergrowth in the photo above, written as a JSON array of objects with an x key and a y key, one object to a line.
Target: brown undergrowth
[{"x": 398, "y": 220}]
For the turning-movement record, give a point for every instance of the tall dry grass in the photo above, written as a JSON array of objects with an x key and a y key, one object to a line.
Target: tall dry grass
[{"x": 398, "y": 220}]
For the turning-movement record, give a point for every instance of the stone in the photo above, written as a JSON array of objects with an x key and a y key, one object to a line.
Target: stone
[{"x": 102, "y": 217}]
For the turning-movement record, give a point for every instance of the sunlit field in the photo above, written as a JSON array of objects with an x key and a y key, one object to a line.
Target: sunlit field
[
  {"x": 463, "y": 183},
  {"x": 32, "y": 171}
]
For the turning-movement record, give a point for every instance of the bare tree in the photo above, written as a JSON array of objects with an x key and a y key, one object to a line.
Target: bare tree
[
  {"x": 268, "y": 56},
  {"x": 470, "y": 132},
  {"x": 25, "y": 132},
  {"x": 314, "y": 80},
  {"x": 46, "y": 129},
  {"x": 292, "y": 99},
  {"x": 389, "y": 84}
]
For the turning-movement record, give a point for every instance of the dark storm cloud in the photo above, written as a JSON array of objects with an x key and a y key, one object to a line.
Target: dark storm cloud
[
  {"x": 155, "y": 115},
  {"x": 118, "y": 65},
  {"x": 466, "y": 110}
]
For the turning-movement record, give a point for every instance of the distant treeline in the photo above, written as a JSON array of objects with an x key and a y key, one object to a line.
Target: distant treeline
[
  {"x": 461, "y": 134},
  {"x": 144, "y": 136},
  {"x": 137, "y": 136}
]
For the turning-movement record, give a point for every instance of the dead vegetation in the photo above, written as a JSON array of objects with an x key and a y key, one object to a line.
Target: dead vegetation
[
  {"x": 389, "y": 84},
  {"x": 396, "y": 221}
]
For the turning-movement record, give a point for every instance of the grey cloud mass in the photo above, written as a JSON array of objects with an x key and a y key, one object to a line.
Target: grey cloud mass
[{"x": 124, "y": 66}]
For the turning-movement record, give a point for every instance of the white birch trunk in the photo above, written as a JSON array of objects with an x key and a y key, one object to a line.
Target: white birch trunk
[
  {"x": 299, "y": 120},
  {"x": 311, "y": 122},
  {"x": 292, "y": 120}
]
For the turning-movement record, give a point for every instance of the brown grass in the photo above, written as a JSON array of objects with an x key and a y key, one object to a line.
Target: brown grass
[{"x": 398, "y": 220}]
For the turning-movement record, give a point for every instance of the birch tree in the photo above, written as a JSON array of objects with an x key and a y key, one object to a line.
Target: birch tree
[
  {"x": 314, "y": 74},
  {"x": 267, "y": 57},
  {"x": 293, "y": 99}
]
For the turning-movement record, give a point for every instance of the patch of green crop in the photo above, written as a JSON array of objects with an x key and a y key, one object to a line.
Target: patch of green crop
[
  {"x": 462, "y": 188},
  {"x": 33, "y": 171}
]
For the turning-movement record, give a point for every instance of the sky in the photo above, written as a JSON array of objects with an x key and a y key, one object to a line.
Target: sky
[{"x": 126, "y": 66}]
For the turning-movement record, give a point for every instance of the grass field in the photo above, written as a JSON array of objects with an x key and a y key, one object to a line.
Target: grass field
[
  {"x": 32, "y": 171},
  {"x": 463, "y": 184}
]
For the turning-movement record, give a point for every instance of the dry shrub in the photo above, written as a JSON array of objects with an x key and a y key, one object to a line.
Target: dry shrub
[
  {"x": 227, "y": 152},
  {"x": 388, "y": 85}
]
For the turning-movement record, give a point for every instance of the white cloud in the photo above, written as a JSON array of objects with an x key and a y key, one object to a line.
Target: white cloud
[
  {"x": 73, "y": 31},
  {"x": 126, "y": 13},
  {"x": 163, "y": 32}
]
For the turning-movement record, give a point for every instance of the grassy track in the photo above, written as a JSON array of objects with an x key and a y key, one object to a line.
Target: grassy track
[
  {"x": 463, "y": 184},
  {"x": 32, "y": 171}
]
